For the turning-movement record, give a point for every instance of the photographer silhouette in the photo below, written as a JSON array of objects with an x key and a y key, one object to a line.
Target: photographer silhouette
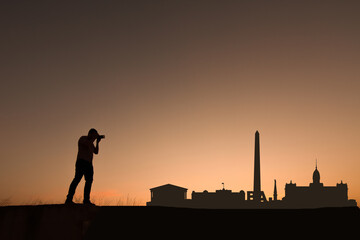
[{"x": 83, "y": 166}]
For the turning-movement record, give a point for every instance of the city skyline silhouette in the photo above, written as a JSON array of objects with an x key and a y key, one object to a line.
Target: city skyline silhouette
[{"x": 316, "y": 195}]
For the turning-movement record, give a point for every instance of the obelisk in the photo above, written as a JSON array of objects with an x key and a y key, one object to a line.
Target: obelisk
[
  {"x": 257, "y": 188},
  {"x": 275, "y": 191}
]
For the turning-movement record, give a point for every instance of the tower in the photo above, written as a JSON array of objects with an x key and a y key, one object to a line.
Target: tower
[
  {"x": 257, "y": 186},
  {"x": 257, "y": 196},
  {"x": 275, "y": 191}
]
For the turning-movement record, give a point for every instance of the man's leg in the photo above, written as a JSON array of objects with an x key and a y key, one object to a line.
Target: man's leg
[
  {"x": 89, "y": 173},
  {"x": 79, "y": 172}
]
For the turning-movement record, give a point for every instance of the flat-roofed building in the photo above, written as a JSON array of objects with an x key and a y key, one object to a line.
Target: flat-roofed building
[{"x": 168, "y": 195}]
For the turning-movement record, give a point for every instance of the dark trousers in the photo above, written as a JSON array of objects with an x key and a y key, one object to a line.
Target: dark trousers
[{"x": 82, "y": 168}]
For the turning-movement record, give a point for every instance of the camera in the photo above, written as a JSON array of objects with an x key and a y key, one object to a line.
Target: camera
[{"x": 101, "y": 136}]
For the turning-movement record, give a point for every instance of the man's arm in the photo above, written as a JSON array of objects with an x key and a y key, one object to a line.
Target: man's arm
[{"x": 96, "y": 149}]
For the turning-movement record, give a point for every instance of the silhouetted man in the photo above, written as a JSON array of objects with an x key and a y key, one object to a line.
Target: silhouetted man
[{"x": 84, "y": 165}]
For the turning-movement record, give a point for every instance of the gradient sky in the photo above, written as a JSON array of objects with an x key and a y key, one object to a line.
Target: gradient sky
[{"x": 179, "y": 89}]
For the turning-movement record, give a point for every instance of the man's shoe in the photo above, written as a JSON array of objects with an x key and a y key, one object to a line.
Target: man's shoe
[
  {"x": 87, "y": 202},
  {"x": 69, "y": 201}
]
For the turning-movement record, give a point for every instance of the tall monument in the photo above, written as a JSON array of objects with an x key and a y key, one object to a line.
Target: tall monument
[
  {"x": 257, "y": 185},
  {"x": 275, "y": 191}
]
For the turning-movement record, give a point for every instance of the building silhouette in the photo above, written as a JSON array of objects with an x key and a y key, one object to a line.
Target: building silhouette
[
  {"x": 168, "y": 195},
  {"x": 222, "y": 198},
  {"x": 315, "y": 195}
]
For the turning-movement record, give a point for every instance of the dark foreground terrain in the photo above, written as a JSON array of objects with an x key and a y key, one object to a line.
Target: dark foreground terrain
[{"x": 86, "y": 222}]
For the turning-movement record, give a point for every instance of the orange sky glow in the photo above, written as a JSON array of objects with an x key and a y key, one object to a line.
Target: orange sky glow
[{"x": 179, "y": 89}]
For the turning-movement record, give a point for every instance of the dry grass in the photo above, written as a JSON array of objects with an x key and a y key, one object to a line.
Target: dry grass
[
  {"x": 128, "y": 201},
  {"x": 99, "y": 200},
  {"x": 119, "y": 201}
]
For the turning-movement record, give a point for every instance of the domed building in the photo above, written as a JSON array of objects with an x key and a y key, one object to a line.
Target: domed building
[{"x": 316, "y": 194}]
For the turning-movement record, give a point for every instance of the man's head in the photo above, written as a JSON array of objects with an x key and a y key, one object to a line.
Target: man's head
[{"x": 93, "y": 134}]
